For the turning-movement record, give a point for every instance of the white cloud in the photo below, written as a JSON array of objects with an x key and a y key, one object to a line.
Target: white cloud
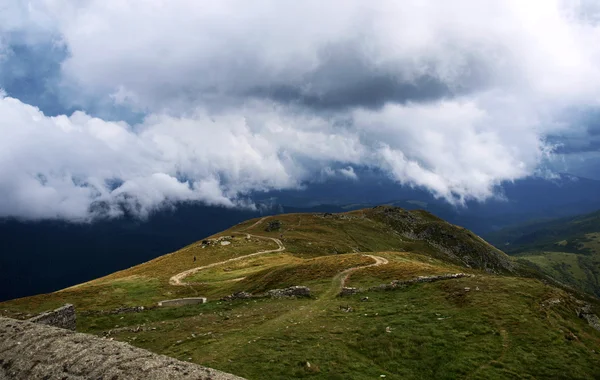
[
  {"x": 242, "y": 96},
  {"x": 348, "y": 172},
  {"x": 58, "y": 167},
  {"x": 64, "y": 167}
]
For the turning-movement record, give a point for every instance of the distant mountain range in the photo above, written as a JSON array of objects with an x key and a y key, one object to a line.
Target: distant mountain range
[{"x": 523, "y": 200}]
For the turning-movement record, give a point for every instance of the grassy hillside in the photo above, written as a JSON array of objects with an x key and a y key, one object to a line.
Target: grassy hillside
[
  {"x": 490, "y": 324},
  {"x": 567, "y": 249}
]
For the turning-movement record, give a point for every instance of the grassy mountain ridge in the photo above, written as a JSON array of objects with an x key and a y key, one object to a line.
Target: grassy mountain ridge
[{"x": 490, "y": 324}]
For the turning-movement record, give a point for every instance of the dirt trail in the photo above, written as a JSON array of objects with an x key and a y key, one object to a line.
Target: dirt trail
[
  {"x": 339, "y": 281},
  {"x": 177, "y": 280},
  {"x": 303, "y": 313},
  {"x": 336, "y": 284},
  {"x": 255, "y": 224}
]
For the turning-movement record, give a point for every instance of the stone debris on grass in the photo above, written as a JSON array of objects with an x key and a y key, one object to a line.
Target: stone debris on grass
[
  {"x": 292, "y": 291},
  {"x": 237, "y": 296},
  {"x": 421, "y": 279}
]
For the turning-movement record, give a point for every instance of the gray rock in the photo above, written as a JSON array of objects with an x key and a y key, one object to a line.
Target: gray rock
[
  {"x": 346, "y": 309},
  {"x": 586, "y": 313},
  {"x": 346, "y": 291},
  {"x": 34, "y": 351}
]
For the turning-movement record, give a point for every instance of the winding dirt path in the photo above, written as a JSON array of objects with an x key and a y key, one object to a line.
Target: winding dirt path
[
  {"x": 339, "y": 280},
  {"x": 177, "y": 280}
]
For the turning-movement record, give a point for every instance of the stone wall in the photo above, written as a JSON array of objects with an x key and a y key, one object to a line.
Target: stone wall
[
  {"x": 421, "y": 279},
  {"x": 33, "y": 351},
  {"x": 292, "y": 291},
  {"x": 63, "y": 317},
  {"x": 182, "y": 301}
]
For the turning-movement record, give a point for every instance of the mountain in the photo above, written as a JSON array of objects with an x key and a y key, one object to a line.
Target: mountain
[
  {"x": 39, "y": 257},
  {"x": 567, "y": 249},
  {"x": 522, "y": 200},
  {"x": 44, "y": 256},
  {"x": 379, "y": 292}
]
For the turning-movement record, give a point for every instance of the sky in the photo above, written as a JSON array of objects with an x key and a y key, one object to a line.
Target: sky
[{"x": 113, "y": 105}]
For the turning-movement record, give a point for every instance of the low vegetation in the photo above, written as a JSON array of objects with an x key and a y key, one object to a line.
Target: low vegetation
[{"x": 495, "y": 324}]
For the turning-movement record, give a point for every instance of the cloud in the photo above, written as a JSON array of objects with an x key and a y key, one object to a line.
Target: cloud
[
  {"x": 352, "y": 54},
  {"x": 348, "y": 172},
  {"x": 209, "y": 102},
  {"x": 79, "y": 167}
]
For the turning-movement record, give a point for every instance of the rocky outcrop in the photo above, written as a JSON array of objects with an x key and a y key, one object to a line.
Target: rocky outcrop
[
  {"x": 33, "y": 351},
  {"x": 220, "y": 240},
  {"x": 292, "y": 291},
  {"x": 63, "y": 317},
  {"x": 455, "y": 244},
  {"x": 592, "y": 319}
]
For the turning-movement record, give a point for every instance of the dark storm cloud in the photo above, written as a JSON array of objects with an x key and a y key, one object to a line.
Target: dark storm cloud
[
  {"x": 369, "y": 92},
  {"x": 345, "y": 77}
]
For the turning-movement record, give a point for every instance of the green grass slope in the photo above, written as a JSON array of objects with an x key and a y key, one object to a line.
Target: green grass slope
[
  {"x": 566, "y": 249},
  {"x": 493, "y": 324}
]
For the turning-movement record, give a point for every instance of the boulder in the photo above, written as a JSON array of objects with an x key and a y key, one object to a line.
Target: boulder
[
  {"x": 346, "y": 291},
  {"x": 274, "y": 225}
]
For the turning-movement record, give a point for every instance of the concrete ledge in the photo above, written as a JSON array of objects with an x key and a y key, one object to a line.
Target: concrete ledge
[
  {"x": 183, "y": 301},
  {"x": 33, "y": 351},
  {"x": 63, "y": 317}
]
